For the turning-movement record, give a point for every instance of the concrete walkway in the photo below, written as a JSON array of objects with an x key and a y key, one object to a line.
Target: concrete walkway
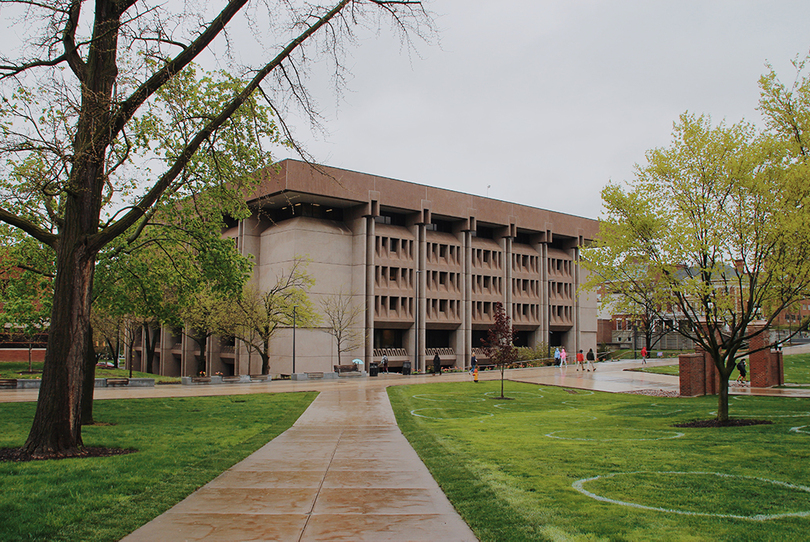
[{"x": 310, "y": 483}]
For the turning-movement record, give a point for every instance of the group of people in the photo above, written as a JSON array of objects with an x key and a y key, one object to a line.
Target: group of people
[{"x": 561, "y": 359}]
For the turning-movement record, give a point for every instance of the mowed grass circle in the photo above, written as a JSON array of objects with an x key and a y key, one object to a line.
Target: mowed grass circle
[
  {"x": 440, "y": 398},
  {"x": 623, "y": 433},
  {"x": 445, "y": 414},
  {"x": 710, "y": 494}
]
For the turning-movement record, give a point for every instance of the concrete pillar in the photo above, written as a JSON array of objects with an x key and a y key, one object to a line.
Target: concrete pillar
[
  {"x": 466, "y": 321},
  {"x": 370, "y": 267}
]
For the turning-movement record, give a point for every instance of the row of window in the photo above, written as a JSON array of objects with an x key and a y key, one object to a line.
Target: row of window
[
  {"x": 443, "y": 253},
  {"x": 486, "y": 284},
  {"x": 526, "y": 288},
  {"x": 393, "y": 306},
  {"x": 559, "y": 266},
  {"x": 560, "y": 290},
  {"x": 392, "y": 247},
  {"x": 561, "y": 314},
  {"x": 483, "y": 258},
  {"x": 402, "y": 307},
  {"x": 526, "y": 263},
  {"x": 393, "y": 277},
  {"x": 525, "y": 312}
]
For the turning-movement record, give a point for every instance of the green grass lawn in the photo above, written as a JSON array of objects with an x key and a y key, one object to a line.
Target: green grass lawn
[
  {"x": 14, "y": 369},
  {"x": 556, "y": 464},
  {"x": 182, "y": 444}
]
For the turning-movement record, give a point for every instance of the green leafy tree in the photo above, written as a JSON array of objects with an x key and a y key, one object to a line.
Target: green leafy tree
[
  {"x": 713, "y": 227},
  {"x": 257, "y": 315},
  {"x": 499, "y": 344},
  {"x": 77, "y": 168},
  {"x": 26, "y": 287}
]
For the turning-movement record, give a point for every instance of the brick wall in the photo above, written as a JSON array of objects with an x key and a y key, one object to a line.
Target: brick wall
[{"x": 21, "y": 354}]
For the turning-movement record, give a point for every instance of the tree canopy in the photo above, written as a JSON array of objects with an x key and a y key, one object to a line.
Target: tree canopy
[
  {"x": 84, "y": 108},
  {"x": 715, "y": 228}
]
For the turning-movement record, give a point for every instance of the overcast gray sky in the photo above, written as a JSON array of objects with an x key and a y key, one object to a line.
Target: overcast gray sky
[{"x": 544, "y": 102}]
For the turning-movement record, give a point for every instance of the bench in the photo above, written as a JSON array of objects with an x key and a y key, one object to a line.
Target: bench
[
  {"x": 8, "y": 383},
  {"x": 345, "y": 368},
  {"x": 117, "y": 382}
]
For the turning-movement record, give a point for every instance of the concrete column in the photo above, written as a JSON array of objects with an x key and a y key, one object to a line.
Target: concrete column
[
  {"x": 507, "y": 297},
  {"x": 421, "y": 305},
  {"x": 544, "y": 305},
  {"x": 466, "y": 320},
  {"x": 370, "y": 264}
]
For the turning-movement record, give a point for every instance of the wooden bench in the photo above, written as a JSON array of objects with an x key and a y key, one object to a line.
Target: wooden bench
[
  {"x": 8, "y": 383},
  {"x": 117, "y": 382},
  {"x": 345, "y": 368}
]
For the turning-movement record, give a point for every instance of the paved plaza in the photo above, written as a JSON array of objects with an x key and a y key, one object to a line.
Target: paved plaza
[{"x": 309, "y": 483}]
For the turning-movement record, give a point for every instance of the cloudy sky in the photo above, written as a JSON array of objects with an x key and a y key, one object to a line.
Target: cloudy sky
[{"x": 544, "y": 102}]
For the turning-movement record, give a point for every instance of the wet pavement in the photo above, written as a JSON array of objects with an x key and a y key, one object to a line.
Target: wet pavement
[{"x": 311, "y": 483}]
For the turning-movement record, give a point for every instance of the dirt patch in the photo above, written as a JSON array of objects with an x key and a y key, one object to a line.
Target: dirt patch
[
  {"x": 17, "y": 454},
  {"x": 733, "y": 422}
]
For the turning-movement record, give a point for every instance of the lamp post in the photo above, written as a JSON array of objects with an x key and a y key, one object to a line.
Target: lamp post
[{"x": 293, "y": 345}]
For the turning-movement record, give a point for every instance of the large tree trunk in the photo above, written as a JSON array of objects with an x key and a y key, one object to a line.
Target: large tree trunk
[{"x": 56, "y": 429}]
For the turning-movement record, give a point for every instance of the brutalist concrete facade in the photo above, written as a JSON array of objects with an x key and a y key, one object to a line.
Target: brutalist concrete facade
[{"x": 425, "y": 265}]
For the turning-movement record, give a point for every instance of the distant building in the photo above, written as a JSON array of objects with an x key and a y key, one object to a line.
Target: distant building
[{"x": 426, "y": 265}]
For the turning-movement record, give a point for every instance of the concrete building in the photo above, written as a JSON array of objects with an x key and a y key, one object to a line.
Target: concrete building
[{"x": 425, "y": 265}]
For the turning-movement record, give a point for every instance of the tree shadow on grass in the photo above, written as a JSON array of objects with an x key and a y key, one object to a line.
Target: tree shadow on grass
[{"x": 17, "y": 455}]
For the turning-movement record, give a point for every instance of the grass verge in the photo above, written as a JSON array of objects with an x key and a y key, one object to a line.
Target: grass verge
[
  {"x": 182, "y": 444},
  {"x": 512, "y": 469}
]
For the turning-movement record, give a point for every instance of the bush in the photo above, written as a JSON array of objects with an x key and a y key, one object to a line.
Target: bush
[{"x": 535, "y": 356}]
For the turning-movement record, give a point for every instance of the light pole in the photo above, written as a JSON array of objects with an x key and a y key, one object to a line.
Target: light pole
[{"x": 293, "y": 356}]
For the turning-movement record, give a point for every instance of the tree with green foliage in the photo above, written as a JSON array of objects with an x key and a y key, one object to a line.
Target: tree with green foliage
[
  {"x": 256, "y": 314},
  {"x": 499, "y": 344},
  {"x": 26, "y": 294},
  {"x": 715, "y": 227},
  {"x": 78, "y": 164}
]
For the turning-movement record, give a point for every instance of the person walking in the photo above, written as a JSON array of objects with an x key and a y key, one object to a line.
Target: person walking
[
  {"x": 385, "y": 363},
  {"x": 643, "y": 355},
  {"x": 557, "y": 356},
  {"x": 563, "y": 356},
  {"x": 590, "y": 357},
  {"x": 580, "y": 360},
  {"x": 473, "y": 363},
  {"x": 741, "y": 368},
  {"x": 437, "y": 364}
]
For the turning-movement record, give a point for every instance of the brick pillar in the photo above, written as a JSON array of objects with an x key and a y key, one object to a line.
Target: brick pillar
[
  {"x": 712, "y": 374},
  {"x": 692, "y": 374},
  {"x": 766, "y": 365}
]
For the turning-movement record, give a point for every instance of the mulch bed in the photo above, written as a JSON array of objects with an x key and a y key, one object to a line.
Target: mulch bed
[
  {"x": 733, "y": 422},
  {"x": 17, "y": 455}
]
